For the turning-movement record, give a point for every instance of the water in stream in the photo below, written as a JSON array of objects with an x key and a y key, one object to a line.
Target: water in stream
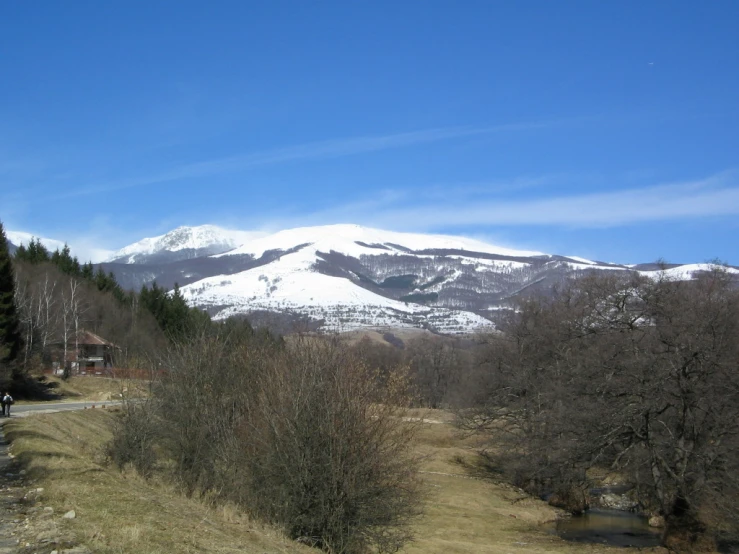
[{"x": 613, "y": 527}]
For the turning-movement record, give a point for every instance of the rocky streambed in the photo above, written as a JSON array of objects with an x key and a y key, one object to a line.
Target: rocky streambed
[{"x": 612, "y": 514}]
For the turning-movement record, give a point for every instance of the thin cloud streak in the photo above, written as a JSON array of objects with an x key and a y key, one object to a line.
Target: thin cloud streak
[
  {"x": 714, "y": 196},
  {"x": 321, "y": 150}
]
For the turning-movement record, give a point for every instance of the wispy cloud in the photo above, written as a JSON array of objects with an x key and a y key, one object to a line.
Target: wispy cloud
[
  {"x": 320, "y": 150},
  {"x": 469, "y": 209},
  {"x": 716, "y": 195}
]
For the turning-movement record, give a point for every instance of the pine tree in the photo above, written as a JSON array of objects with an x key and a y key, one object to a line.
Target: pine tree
[
  {"x": 37, "y": 253},
  {"x": 66, "y": 263},
  {"x": 87, "y": 271},
  {"x": 10, "y": 337}
]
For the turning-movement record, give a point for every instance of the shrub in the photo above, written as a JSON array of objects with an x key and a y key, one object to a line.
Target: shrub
[
  {"x": 133, "y": 440},
  {"x": 328, "y": 454},
  {"x": 303, "y": 436}
]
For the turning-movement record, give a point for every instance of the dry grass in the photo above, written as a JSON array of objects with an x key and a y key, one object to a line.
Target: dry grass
[
  {"x": 377, "y": 336},
  {"x": 467, "y": 514},
  {"x": 96, "y": 388},
  {"x": 121, "y": 513}
]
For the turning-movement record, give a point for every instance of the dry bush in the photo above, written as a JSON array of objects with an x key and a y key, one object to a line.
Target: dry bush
[
  {"x": 134, "y": 436},
  {"x": 204, "y": 395},
  {"x": 299, "y": 435},
  {"x": 328, "y": 453}
]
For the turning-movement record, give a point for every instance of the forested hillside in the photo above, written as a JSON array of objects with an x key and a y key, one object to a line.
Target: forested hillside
[{"x": 48, "y": 298}]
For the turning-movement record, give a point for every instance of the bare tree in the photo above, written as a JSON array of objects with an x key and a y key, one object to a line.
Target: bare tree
[
  {"x": 631, "y": 374},
  {"x": 73, "y": 308},
  {"x": 36, "y": 299},
  {"x": 436, "y": 365}
]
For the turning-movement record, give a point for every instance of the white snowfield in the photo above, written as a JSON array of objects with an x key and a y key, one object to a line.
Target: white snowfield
[
  {"x": 685, "y": 272},
  {"x": 581, "y": 260},
  {"x": 292, "y": 284},
  {"x": 592, "y": 265},
  {"x": 344, "y": 239}
]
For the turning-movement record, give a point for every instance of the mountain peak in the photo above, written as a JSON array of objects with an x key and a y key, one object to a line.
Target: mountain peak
[{"x": 183, "y": 243}]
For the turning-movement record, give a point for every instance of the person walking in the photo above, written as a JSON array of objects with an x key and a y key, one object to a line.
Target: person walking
[
  {"x": 7, "y": 401},
  {"x": 2, "y": 403}
]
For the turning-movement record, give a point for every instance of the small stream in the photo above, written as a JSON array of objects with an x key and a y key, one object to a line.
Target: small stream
[{"x": 613, "y": 527}]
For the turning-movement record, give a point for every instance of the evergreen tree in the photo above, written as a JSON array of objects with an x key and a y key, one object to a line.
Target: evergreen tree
[
  {"x": 34, "y": 253},
  {"x": 171, "y": 311},
  {"x": 10, "y": 338},
  {"x": 66, "y": 263},
  {"x": 21, "y": 253},
  {"x": 87, "y": 272}
]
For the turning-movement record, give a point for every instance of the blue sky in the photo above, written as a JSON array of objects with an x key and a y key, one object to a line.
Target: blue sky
[{"x": 605, "y": 130}]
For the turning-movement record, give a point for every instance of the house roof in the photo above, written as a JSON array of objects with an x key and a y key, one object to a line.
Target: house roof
[{"x": 86, "y": 337}]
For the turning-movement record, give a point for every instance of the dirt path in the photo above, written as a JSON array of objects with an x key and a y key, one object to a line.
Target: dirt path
[
  {"x": 11, "y": 492},
  {"x": 26, "y": 526}
]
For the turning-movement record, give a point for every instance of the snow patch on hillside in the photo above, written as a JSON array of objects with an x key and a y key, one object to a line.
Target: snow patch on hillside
[
  {"x": 686, "y": 272},
  {"x": 593, "y": 265},
  {"x": 581, "y": 260}
]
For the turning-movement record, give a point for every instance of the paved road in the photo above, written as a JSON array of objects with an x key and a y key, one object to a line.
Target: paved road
[{"x": 22, "y": 410}]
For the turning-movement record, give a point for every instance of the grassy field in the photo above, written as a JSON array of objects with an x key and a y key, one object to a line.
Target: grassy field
[
  {"x": 468, "y": 514},
  {"x": 121, "y": 513},
  {"x": 80, "y": 388}
]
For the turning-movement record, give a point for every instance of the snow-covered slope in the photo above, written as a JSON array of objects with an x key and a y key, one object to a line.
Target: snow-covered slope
[
  {"x": 343, "y": 275},
  {"x": 292, "y": 284},
  {"x": 183, "y": 243},
  {"x": 685, "y": 272}
]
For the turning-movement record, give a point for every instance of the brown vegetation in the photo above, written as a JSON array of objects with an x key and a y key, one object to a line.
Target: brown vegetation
[
  {"x": 122, "y": 513},
  {"x": 629, "y": 374},
  {"x": 300, "y": 435}
]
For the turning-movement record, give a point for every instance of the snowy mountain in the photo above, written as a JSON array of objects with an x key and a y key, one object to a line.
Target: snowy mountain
[
  {"x": 183, "y": 243},
  {"x": 312, "y": 275},
  {"x": 355, "y": 240},
  {"x": 345, "y": 277}
]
